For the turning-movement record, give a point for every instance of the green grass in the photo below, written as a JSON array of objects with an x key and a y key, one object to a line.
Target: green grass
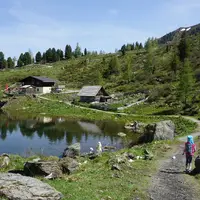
[
  {"x": 60, "y": 96},
  {"x": 150, "y": 109},
  {"x": 95, "y": 179}
]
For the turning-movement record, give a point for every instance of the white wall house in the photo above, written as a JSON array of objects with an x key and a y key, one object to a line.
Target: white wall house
[
  {"x": 42, "y": 85},
  {"x": 43, "y": 90}
]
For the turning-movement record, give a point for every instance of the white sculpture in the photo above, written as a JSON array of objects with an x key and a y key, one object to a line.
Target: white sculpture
[{"x": 99, "y": 148}]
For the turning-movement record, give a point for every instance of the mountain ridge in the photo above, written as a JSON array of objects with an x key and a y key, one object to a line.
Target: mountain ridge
[{"x": 169, "y": 37}]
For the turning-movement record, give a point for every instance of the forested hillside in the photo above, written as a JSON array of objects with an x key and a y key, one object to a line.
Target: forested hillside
[{"x": 167, "y": 72}]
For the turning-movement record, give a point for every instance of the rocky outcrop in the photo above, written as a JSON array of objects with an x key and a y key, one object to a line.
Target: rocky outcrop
[
  {"x": 72, "y": 151},
  {"x": 164, "y": 130},
  {"x": 55, "y": 168},
  {"x": 17, "y": 187}
]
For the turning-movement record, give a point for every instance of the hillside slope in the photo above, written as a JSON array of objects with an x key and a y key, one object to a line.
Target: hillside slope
[{"x": 148, "y": 70}]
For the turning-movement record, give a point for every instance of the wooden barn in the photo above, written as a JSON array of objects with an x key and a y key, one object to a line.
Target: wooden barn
[
  {"x": 40, "y": 84},
  {"x": 93, "y": 94}
]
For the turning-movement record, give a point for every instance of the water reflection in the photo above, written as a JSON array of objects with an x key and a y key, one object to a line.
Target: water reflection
[{"x": 52, "y": 135}]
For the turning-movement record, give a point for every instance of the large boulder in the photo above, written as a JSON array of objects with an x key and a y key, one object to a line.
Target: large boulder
[
  {"x": 164, "y": 130},
  {"x": 42, "y": 168},
  {"x": 197, "y": 164},
  {"x": 17, "y": 187},
  {"x": 72, "y": 151},
  {"x": 68, "y": 165},
  {"x": 55, "y": 168}
]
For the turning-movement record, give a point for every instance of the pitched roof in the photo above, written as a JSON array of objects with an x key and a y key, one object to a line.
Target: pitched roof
[
  {"x": 89, "y": 91},
  {"x": 44, "y": 79}
]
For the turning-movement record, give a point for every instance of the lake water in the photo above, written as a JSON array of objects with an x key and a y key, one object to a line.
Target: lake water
[{"x": 50, "y": 136}]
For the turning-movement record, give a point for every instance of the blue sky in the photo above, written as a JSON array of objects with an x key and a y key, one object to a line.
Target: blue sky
[{"x": 94, "y": 24}]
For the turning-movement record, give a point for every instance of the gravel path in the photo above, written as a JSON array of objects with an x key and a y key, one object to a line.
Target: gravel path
[{"x": 171, "y": 182}]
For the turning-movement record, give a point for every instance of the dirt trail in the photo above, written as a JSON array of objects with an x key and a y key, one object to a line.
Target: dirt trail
[{"x": 171, "y": 182}]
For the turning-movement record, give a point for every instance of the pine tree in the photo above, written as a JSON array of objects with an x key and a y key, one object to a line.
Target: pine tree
[
  {"x": 133, "y": 46},
  {"x": 77, "y": 51},
  {"x": 183, "y": 48},
  {"x": 128, "y": 47},
  {"x": 137, "y": 45},
  {"x": 60, "y": 54},
  {"x": 186, "y": 83},
  {"x": 49, "y": 55},
  {"x": 10, "y": 62},
  {"x": 54, "y": 55},
  {"x": 140, "y": 46},
  {"x": 20, "y": 62},
  {"x": 174, "y": 63},
  {"x": 1, "y": 60},
  {"x": 123, "y": 49},
  {"x": 68, "y": 52},
  {"x": 5, "y": 64},
  {"x": 85, "y": 52},
  {"x": 38, "y": 57},
  {"x": 44, "y": 58},
  {"x": 113, "y": 67},
  {"x": 27, "y": 60}
]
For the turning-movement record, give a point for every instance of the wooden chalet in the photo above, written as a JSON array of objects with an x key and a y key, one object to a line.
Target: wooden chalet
[
  {"x": 93, "y": 94},
  {"x": 37, "y": 84}
]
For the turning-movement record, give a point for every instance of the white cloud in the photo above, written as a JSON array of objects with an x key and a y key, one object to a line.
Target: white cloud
[{"x": 39, "y": 32}]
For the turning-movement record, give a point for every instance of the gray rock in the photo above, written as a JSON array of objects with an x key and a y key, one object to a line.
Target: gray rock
[
  {"x": 55, "y": 168},
  {"x": 164, "y": 130},
  {"x": 116, "y": 167},
  {"x": 42, "y": 168},
  {"x": 72, "y": 151},
  {"x": 68, "y": 165},
  {"x": 17, "y": 187}
]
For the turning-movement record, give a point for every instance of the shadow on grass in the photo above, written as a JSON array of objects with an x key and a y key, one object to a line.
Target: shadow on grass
[
  {"x": 172, "y": 172},
  {"x": 194, "y": 172}
]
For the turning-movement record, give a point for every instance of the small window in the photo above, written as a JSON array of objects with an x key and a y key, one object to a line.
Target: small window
[{"x": 38, "y": 89}]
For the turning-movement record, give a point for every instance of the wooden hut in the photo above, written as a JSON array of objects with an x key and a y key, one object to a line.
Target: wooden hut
[{"x": 93, "y": 94}]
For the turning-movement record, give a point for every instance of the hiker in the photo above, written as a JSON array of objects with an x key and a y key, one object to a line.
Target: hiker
[{"x": 189, "y": 150}]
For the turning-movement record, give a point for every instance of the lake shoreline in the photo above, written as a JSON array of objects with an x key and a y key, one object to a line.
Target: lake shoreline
[{"x": 96, "y": 178}]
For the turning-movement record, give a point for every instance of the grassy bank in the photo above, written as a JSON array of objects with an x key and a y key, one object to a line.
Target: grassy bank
[{"x": 95, "y": 179}]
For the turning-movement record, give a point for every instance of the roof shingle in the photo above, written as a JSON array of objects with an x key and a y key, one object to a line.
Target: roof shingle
[{"x": 89, "y": 91}]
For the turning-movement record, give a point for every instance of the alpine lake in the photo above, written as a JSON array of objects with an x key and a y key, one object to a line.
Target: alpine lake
[{"x": 51, "y": 135}]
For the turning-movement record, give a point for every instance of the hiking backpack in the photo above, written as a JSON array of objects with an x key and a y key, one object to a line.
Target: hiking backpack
[{"x": 189, "y": 148}]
